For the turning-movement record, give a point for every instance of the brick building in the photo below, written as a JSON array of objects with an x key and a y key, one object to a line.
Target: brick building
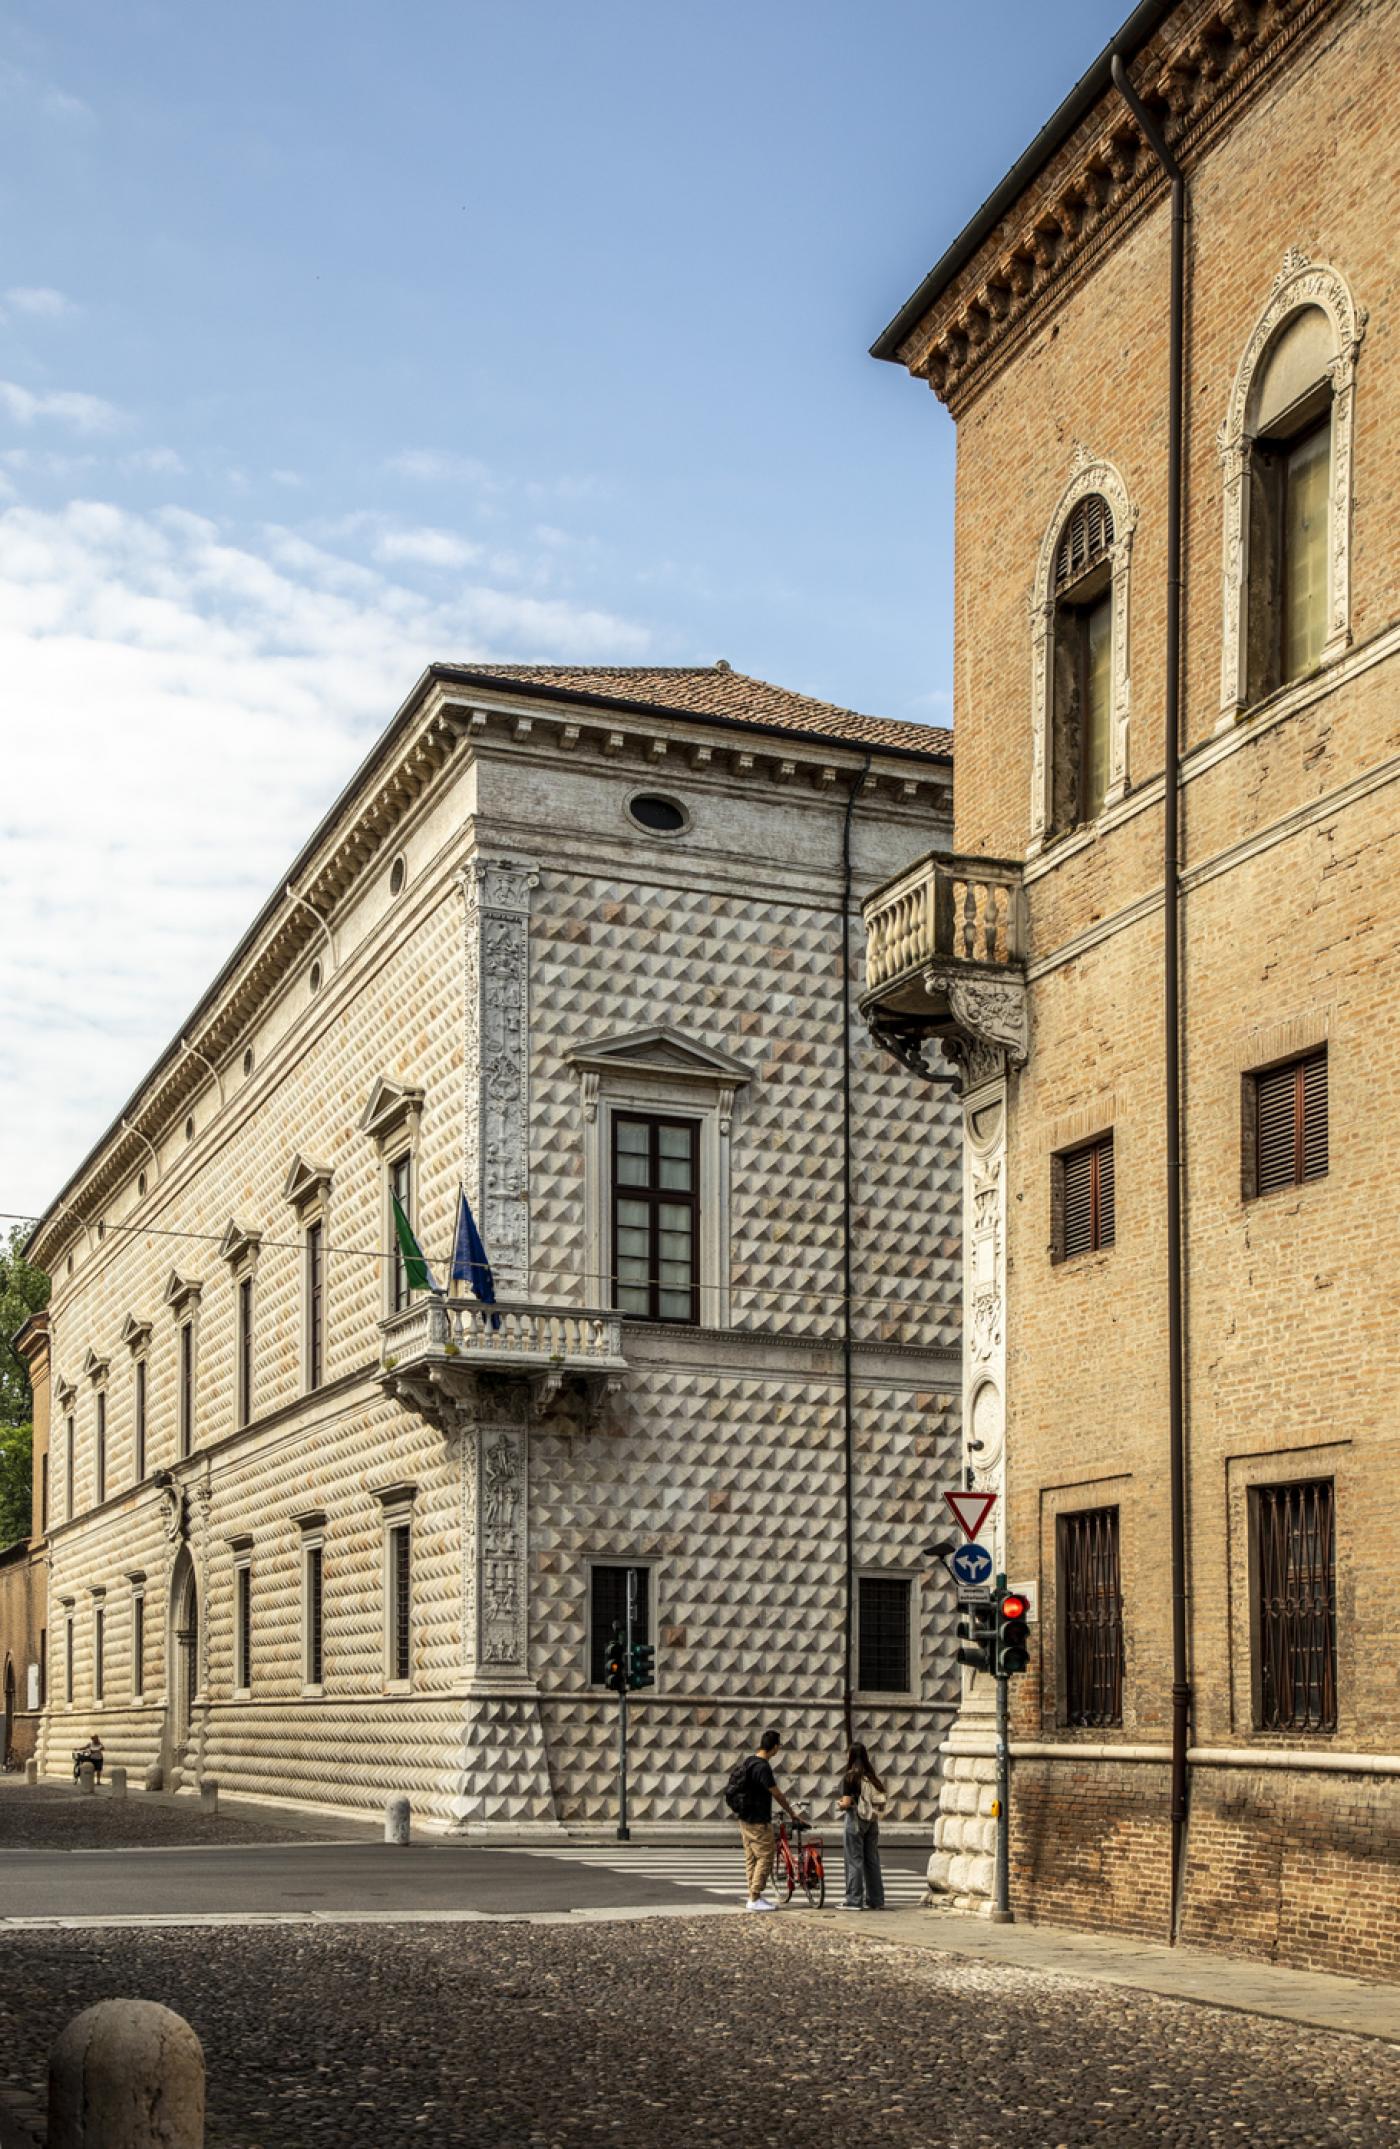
[
  {"x": 576, "y": 939},
  {"x": 1181, "y": 1351}
]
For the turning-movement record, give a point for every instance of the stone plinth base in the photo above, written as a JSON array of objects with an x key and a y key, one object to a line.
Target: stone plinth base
[{"x": 964, "y": 1834}]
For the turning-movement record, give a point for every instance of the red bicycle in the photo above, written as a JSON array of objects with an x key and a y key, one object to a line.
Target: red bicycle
[{"x": 798, "y": 1865}]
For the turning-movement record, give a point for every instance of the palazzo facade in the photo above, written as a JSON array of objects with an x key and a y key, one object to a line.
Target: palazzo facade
[{"x": 586, "y": 944}]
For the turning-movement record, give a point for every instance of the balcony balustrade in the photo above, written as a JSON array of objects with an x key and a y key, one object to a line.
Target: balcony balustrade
[
  {"x": 945, "y": 961},
  {"x": 445, "y": 1355}
]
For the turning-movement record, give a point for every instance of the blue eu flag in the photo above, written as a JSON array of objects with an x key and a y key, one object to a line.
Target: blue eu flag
[{"x": 469, "y": 1263}]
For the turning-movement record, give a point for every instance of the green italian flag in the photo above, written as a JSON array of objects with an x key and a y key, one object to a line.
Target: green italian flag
[{"x": 415, "y": 1261}]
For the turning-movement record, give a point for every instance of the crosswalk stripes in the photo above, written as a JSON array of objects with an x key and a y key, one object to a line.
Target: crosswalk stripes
[{"x": 716, "y": 1871}]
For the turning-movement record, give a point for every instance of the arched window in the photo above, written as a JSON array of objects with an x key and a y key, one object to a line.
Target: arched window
[
  {"x": 1286, "y": 449},
  {"x": 1079, "y": 630}
]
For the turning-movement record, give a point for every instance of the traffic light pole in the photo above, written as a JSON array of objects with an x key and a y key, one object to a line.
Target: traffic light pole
[
  {"x": 1002, "y": 1913},
  {"x": 624, "y": 1834}
]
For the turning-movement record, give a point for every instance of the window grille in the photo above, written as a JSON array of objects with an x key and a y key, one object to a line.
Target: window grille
[
  {"x": 243, "y": 1669},
  {"x": 187, "y": 1387},
  {"x": 1295, "y": 1610},
  {"x": 68, "y": 1660},
  {"x": 315, "y": 1304},
  {"x": 1086, "y": 539},
  {"x": 140, "y": 1430},
  {"x": 608, "y": 1609},
  {"x": 43, "y": 1493},
  {"x": 1091, "y": 1617},
  {"x": 138, "y": 1646},
  {"x": 400, "y": 1584},
  {"x": 313, "y": 1615},
  {"x": 1086, "y": 1199},
  {"x": 100, "y": 1450},
  {"x": 1290, "y": 1124},
  {"x": 883, "y": 1630},
  {"x": 43, "y": 1667},
  {"x": 99, "y": 1650},
  {"x": 70, "y": 1445},
  {"x": 245, "y": 1350},
  {"x": 656, "y": 1217}
]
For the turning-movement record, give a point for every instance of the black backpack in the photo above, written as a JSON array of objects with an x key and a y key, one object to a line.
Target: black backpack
[{"x": 737, "y": 1789}]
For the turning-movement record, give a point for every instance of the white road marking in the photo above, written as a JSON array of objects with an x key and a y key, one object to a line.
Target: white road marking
[{"x": 719, "y": 1872}]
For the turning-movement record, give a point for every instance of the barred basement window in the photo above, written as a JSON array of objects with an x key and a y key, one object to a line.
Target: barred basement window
[
  {"x": 1091, "y": 1617},
  {"x": 243, "y": 1627},
  {"x": 140, "y": 1429},
  {"x": 1293, "y": 1531},
  {"x": 138, "y": 1647},
  {"x": 882, "y": 1634},
  {"x": 1082, "y": 1199},
  {"x": 400, "y": 1601},
  {"x": 68, "y": 1660},
  {"x": 312, "y": 1613},
  {"x": 1285, "y": 1126},
  {"x": 43, "y": 1494},
  {"x": 99, "y": 1650},
  {"x": 607, "y": 1608}
]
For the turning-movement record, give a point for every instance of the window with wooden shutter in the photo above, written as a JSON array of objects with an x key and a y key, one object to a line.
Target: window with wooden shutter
[
  {"x": 1082, "y": 1196},
  {"x": 1286, "y": 1145},
  {"x": 1086, "y": 539}
]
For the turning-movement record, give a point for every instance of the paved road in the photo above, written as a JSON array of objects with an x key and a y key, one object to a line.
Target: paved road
[
  {"x": 684, "y": 2032},
  {"x": 265, "y": 1879}
]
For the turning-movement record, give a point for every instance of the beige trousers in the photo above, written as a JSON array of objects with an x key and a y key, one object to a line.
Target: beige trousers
[{"x": 759, "y": 1845}]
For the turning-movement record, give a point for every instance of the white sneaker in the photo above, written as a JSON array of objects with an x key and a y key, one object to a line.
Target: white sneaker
[{"x": 759, "y": 1903}]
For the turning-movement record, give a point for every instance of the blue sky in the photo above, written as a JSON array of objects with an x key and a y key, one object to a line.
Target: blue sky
[{"x": 333, "y": 338}]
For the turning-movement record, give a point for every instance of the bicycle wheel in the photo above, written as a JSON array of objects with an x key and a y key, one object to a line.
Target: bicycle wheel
[
  {"x": 783, "y": 1876},
  {"x": 813, "y": 1879}
]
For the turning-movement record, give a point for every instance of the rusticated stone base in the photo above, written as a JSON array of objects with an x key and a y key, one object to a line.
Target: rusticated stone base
[{"x": 964, "y": 1833}]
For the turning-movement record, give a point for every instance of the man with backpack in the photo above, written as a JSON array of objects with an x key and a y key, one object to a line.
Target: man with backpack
[{"x": 749, "y": 1795}]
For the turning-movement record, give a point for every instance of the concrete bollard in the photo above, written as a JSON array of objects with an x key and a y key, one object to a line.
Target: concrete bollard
[
  {"x": 31, "y": 1772},
  {"x": 155, "y": 1777},
  {"x": 397, "y": 1816},
  {"x": 116, "y": 1777},
  {"x": 208, "y": 1795},
  {"x": 126, "y": 2074},
  {"x": 87, "y": 1779}
]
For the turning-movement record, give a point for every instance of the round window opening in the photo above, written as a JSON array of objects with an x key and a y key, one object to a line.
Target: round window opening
[
  {"x": 661, "y": 815},
  {"x": 248, "y": 1061},
  {"x": 141, "y": 1182},
  {"x": 315, "y": 977},
  {"x": 398, "y": 874},
  {"x": 189, "y": 1130},
  {"x": 70, "y": 1264}
]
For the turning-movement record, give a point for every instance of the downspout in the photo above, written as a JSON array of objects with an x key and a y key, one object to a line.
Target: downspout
[
  {"x": 307, "y": 905},
  {"x": 847, "y": 1340},
  {"x": 1171, "y": 986},
  {"x": 196, "y": 1054}
]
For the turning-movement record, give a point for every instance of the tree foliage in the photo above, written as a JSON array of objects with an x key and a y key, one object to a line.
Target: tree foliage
[
  {"x": 23, "y": 1290},
  {"x": 16, "y": 1480}
]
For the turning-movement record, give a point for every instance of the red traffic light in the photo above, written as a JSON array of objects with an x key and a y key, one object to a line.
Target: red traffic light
[{"x": 1014, "y": 1607}]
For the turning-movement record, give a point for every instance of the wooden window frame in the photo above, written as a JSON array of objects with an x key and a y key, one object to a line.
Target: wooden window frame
[
  {"x": 653, "y": 1195},
  {"x": 1096, "y": 1703},
  {"x": 1098, "y": 1242},
  {"x": 1251, "y": 1188}
]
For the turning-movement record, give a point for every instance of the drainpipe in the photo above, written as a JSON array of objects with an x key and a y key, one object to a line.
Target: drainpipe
[
  {"x": 297, "y": 897},
  {"x": 196, "y": 1054},
  {"x": 847, "y": 1341},
  {"x": 1171, "y": 984}
]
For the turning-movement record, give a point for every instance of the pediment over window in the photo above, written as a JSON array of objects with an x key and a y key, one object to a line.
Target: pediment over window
[
  {"x": 662, "y": 1061},
  {"x": 392, "y": 1107},
  {"x": 306, "y": 1182},
  {"x": 180, "y": 1292},
  {"x": 95, "y": 1367},
  {"x": 238, "y": 1245},
  {"x": 65, "y": 1393},
  {"x": 136, "y": 1334}
]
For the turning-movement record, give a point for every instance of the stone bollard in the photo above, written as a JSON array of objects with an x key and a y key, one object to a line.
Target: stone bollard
[
  {"x": 126, "y": 2074},
  {"x": 208, "y": 1795},
  {"x": 87, "y": 1779},
  {"x": 397, "y": 1815},
  {"x": 155, "y": 1777},
  {"x": 31, "y": 1772},
  {"x": 116, "y": 1777}
]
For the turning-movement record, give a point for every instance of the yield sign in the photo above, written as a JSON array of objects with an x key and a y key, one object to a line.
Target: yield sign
[{"x": 971, "y": 1510}]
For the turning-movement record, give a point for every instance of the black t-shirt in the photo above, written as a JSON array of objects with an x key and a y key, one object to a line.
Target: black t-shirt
[{"x": 761, "y": 1783}]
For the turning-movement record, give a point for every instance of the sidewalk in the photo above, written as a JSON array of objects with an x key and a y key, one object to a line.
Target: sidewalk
[{"x": 1253, "y": 1988}]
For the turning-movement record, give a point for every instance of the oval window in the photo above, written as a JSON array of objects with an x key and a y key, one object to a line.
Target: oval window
[
  {"x": 661, "y": 815},
  {"x": 248, "y": 1061},
  {"x": 315, "y": 977},
  {"x": 398, "y": 874}
]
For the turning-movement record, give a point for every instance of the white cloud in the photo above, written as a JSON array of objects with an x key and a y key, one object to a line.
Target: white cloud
[
  {"x": 438, "y": 466},
  {"x": 425, "y": 548},
  {"x": 38, "y": 300},
  {"x": 191, "y": 702},
  {"x": 68, "y": 406},
  {"x": 156, "y": 462}
]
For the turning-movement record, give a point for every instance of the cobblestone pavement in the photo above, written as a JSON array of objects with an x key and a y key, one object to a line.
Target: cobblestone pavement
[
  {"x": 680, "y": 2032},
  {"x": 51, "y": 1816}
]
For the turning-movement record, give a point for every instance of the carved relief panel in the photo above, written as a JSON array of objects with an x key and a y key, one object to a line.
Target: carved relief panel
[
  {"x": 501, "y": 1484},
  {"x": 497, "y": 893}
]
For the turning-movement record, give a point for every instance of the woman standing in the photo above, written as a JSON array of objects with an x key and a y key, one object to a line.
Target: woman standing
[{"x": 862, "y": 1801}]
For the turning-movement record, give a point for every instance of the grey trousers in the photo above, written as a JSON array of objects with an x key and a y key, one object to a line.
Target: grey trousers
[{"x": 865, "y": 1886}]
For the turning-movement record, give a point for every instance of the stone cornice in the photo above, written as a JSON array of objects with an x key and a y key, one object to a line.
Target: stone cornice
[{"x": 1208, "y": 60}]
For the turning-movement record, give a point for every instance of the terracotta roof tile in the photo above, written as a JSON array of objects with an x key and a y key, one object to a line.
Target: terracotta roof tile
[{"x": 714, "y": 691}]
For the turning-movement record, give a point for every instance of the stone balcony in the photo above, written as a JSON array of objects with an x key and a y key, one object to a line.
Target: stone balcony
[
  {"x": 945, "y": 957},
  {"x": 446, "y": 1357}
]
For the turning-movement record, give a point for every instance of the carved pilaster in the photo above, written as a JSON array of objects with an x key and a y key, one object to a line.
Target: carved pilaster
[
  {"x": 501, "y": 1539},
  {"x": 497, "y": 968}
]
